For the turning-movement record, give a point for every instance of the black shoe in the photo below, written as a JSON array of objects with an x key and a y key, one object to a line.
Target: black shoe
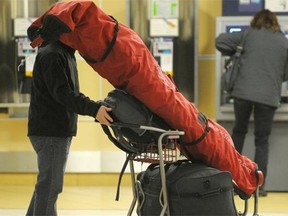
[{"x": 262, "y": 192}]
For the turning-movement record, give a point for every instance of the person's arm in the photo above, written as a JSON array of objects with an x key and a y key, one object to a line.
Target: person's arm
[
  {"x": 56, "y": 75},
  {"x": 227, "y": 43}
]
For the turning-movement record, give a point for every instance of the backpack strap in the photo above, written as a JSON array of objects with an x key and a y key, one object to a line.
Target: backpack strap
[
  {"x": 128, "y": 158},
  {"x": 121, "y": 143}
]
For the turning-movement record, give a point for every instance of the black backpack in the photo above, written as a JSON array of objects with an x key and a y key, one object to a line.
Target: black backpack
[{"x": 130, "y": 120}]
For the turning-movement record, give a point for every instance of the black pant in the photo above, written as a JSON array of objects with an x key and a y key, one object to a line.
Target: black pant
[{"x": 263, "y": 119}]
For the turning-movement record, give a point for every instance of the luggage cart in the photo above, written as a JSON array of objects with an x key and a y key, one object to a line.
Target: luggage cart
[{"x": 164, "y": 152}]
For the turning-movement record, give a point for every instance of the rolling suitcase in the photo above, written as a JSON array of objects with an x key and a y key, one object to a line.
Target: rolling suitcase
[{"x": 193, "y": 189}]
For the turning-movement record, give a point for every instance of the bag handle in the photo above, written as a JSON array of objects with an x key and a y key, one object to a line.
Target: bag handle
[{"x": 239, "y": 48}]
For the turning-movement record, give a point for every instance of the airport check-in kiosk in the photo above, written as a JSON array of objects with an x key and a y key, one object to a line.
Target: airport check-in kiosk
[{"x": 278, "y": 162}]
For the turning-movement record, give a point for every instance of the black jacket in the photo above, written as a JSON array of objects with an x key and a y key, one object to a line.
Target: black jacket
[{"x": 55, "y": 96}]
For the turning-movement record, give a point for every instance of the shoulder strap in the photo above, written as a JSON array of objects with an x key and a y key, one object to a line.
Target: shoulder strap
[
  {"x": 239, "y": 48},
  {"x": 120, "y": 143},
  {"x": 245, "y": 33},
  {"x": 129, "y": 157},
  {"x": 111, "y": 44}
]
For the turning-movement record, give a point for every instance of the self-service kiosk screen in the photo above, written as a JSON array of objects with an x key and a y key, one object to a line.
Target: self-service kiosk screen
[{"x": 236, "y": 28}]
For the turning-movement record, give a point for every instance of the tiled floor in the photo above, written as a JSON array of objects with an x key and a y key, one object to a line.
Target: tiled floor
[{"x": 100, "y": 201}]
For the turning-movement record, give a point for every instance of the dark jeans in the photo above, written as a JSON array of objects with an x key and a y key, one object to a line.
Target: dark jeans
[
  {"x": 263, "y": 120},
  {"x": 52, "y": 153}
]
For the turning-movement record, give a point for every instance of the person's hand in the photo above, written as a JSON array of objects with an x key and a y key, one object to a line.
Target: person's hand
[{"x": 103, "y": 115}]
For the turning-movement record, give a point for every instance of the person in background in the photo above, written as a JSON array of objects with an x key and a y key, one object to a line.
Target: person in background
[
  {"x": 55, "y": 100},
  {"x": 257, "y": 89}
]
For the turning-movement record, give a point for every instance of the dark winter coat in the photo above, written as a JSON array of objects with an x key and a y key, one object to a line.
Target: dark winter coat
[{"x": 55, "y": 96}]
